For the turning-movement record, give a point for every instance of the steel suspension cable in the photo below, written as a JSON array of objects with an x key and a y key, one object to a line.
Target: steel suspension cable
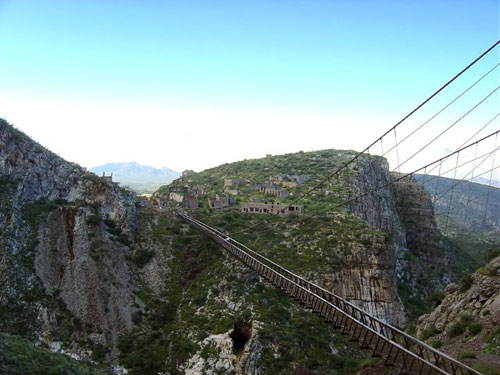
[
  {"x": 491, "y": 175},
  {"x": 472, "y": 137},
  {"x": 449, "y": 127},
  {"x": 452, "y": 192},
  {"x": 443, "y": 109},
  {"x": 439, "y": 195}
]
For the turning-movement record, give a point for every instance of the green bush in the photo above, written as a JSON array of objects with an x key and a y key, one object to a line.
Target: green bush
[
  {"x": 456, "y": 329},
  {"x": 466, "y": 355},
  {"x": 434, "y": 299},
  {"x": 485, "y": 369},
  {"x": 99, "y": 352},
  {"x": 436, "y": 344},
  {"x": 141, "y": 257},
  {"x": 492, "y": 254},
  {"x": 428, "y": 332},
  {"x": 137, "y": 317},
  {"x": 124, "y": 239},
  {"x": 19, "y": 356},
  {"x": 465, "y": 318},
  {"x": 60, "y": 201},
  {"x": 465, "y": 282},
  {"x": 475, "y": 328},
  {"x": 110, "y": 223},
  {"x": 114, "y": 231},
  {"x": 93, "y": 219}
]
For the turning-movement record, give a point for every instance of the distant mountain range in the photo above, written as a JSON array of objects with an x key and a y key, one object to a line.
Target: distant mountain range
[
  {"x": 141, "y": 178},
  {"x": 486, "y": 181},
  {"x": 473, "y": 205}
]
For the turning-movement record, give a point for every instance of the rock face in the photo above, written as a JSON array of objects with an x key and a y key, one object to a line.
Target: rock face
[
  {"x": 411, "y": 253},
  {"x": 57, "y": 253},
  {"x": 369, "y": 279},
  {"x": 229, "y": 360},
  {"x": 468, "y": 317},
  {"x": 424, "y": 264}
]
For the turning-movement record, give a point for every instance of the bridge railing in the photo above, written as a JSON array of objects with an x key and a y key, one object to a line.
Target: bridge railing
[{"x": 384, "y": 339}]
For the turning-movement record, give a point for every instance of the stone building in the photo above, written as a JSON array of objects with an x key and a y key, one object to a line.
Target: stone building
[
  {"x": 232, "y": 182},
  {"x": 274, "y": 208},
  {"x": 219, "y": 201},
  {"x": 256, "y": 186},
  {"x": 187, "y": 172},
  {"x": 231, "y": 191},
  {"x": 190, "y": 202},
  {"x": 288, "y": 180},
  {"x": 176, "y": 197},
  {"x": 273, "y": 190},
  {"x": 199, "y": 190},
  {"x": 161, "y": 202},
  {"x": 110, "y": 177},
  {"x": 277, "y": 178}
]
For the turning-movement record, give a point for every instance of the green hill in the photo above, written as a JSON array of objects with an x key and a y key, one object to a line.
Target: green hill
[{"x": 315, "y": 165}]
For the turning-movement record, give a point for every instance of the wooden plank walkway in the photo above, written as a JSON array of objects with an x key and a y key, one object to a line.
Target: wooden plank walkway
[{"x": 409, "y": 354}]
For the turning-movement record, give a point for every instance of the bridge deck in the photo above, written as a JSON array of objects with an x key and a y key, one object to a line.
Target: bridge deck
[{"x": 412, "y": 356}]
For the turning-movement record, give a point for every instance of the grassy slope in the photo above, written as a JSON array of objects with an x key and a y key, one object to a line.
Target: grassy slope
[
  {"x": 18, "y": 356},
  {"x": 315, "y": 164}
]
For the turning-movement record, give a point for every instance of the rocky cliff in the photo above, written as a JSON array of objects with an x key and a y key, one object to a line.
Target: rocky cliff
[
  {"x": 64, "y": 238},
  {"x": 465, "y": 324},
  {"x": 409, "y": 261}
]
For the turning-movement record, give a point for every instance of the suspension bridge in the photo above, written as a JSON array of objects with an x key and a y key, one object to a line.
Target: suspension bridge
[
  {"x": 397, "y": 347},
  {"x": 471, "y": 160}
]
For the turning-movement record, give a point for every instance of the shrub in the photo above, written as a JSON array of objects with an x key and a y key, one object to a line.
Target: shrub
[
  {"x": 465, "y": 318},
  {"x": 124, "y": 239},
  {"x": 483, "y": 271},
  {"x": 99, "y": 352},
  {"x": 20, "y": 356},
  {"x": 60, "y": 201},
  {"x": 436, "y": 344},
  {"x": 491, "y": 254},
  {"x": 137, "y": 317},
  {"x": 114, "y": 231},
  {"x": 434, "y": 299},
  {"x": 465, "y": 282},
  {"x": 428, "y": 332},
  {"x": 110, "y": 223},
  {"x": 485, "y": 369},
  {"x": 466, "y": 355},
  {"x": 475, "y": 328},
  {"x": 141, "y": 257},
  {"x": 456, "y": 329},
  {"x": 93, "y": 219}
]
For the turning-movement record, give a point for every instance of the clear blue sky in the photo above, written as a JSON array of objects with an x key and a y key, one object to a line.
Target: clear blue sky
[{"x": 149, "y": 80}]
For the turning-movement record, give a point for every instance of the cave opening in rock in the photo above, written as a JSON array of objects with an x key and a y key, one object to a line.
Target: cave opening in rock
[{"x": 242, "y": 332}]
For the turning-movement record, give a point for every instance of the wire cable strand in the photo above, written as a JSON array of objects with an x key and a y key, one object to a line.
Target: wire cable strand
[
  {"x": 448, "y": 128},
  {"x": 470, "y": 138},
  {"x": 442, "y": 110}
]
